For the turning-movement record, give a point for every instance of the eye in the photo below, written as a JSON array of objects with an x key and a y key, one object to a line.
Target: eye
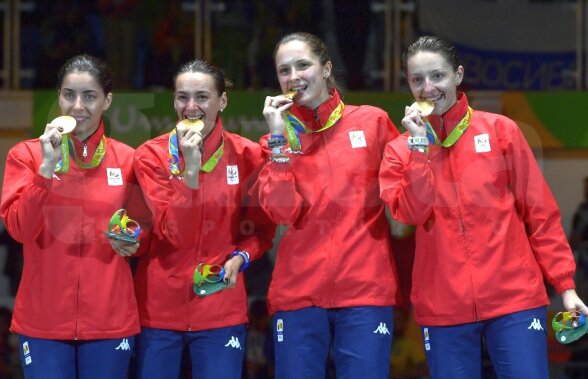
[
  {"x": 89, "y": 97},
  {"x": 201, "y": 98},
  {"x": 303, "y": 65},
  {"x": 283, "y": 71},
  {"x": 181, "y": 97},
  {"x": 416, "y": 80},
  {"x": 68, "y": 96},
  {"x": 438, "y": 76}
]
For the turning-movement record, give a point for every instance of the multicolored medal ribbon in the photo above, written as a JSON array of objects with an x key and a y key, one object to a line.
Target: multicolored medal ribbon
[
  {"x": 67, "y": 146},
  {"x": 569, "y": 326},
  {"x": 455, "y": 133},
  {"x": 295, "y": 127},
  {"x": 122, "y": 228},
  {"x": 174, "y": 156},
  {"x": 209, "y": 279}
]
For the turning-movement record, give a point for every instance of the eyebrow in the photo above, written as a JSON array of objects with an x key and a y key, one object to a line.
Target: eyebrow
[{"x": 85, "y": 91}]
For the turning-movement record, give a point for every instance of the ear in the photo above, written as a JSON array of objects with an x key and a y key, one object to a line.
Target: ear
[
  {"x": 459, "y": 76},
  {"x": 108, "y": 101},
  {"x": 327, "y": 69},
  {"x": 223, "y": 101}
]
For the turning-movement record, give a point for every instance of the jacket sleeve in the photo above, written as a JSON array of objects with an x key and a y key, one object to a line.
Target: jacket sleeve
[
  {"x": 24, "y": 192},
  {"x": 138, "y": 211},
  {"x": 257, "y": 230},
  {"x": 540, "y": 213},
  {"x": 174, "y": 206},
  {"x": 406, "y": 183},
  {"x": 276, "y": 191}
]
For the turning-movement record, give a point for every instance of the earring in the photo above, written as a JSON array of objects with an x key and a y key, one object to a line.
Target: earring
[{"x": 222, "y": 109}]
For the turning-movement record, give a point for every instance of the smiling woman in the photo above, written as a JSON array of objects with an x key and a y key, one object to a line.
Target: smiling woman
[
  {"x": 322, "y": 181},
  {"x": 196, "y": 181},
  {"x": 59, "y": 192},
  {"x": 469, "y": 182}
]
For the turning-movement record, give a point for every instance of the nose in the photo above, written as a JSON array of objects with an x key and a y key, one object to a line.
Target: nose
[
  {"x": 191, "y": 104},
  {"x": 428, "y": 86},
  {"x": 78, "y": 104},
  {"x": 294, "y": 74}
]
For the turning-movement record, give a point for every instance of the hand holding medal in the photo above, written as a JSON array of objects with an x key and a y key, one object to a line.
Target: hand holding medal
[
  {"x": 414, "y": 121},
  {"x": 209, "y": 279},
  {"x": 190, "y": 142},
  {"x": 52, "y": 143},
  {"x": 414, "y": 115},
  {"x": 273, "y": 110},
  {"x": 569, "y": 326},
  {"x": 122, "y": 228},
  {"x": 277, "y": 125}
]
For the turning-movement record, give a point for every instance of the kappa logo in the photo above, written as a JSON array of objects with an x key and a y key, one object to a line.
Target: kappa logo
[
  {"x": 536, "y": 324},
  {"x": 382, "y": 329},
  {"x": 234, "y": 343},
  {"x": 124, "y": 345}
]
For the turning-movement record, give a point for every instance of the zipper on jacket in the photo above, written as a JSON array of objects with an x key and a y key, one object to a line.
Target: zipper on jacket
[
  {"x": 79, "y": 263},
  {"x": 316, "y": 114},
  {"x": 194, "y": 263},
  {"x": 462, "y": 230},
  {"x": 85, "y": 152}
]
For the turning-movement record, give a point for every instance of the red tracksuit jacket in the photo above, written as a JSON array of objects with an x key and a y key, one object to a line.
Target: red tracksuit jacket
[
  {"x": 198, "y": 226},
  {"x": 488, "y": 228},
  {"x": 74, "y": 286},
  {"x": 336, "y": 251}
]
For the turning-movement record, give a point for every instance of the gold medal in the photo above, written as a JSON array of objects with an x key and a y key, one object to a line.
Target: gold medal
[
  {"x": 290, "y": 94},
  {"x": 65, "y": 124},
  {"x": 197, "y": 125},
  {"x": 425, "y": 107}
]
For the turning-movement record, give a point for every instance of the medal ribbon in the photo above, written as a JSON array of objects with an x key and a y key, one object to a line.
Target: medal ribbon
[
  {"x": 174, "y": 156},
  {"x": 294, "y": 126},
  {"x": 455, "y": 133},
  {"x": 67, "y": 146}
]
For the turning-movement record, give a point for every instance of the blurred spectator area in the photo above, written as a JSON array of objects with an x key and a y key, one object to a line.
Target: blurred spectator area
[{"x": 516, "y": 45}]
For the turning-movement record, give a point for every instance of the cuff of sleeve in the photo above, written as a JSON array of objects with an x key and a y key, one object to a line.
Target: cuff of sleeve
[
  {"x": 243, "y": 254},
  {"x": 42, "y": 182},
  {"x": 278, "y": 168},
  {"x": 563, "y": 285},
  {"x": 419, "y": 157}
]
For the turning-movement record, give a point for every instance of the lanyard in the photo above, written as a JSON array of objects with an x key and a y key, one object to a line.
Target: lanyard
[
  {"x": 67, "y": 146},
  {"x": 174, "y": 156},
  {"x": 455, "y": 133},
  {"x": 294, "y": 126}
]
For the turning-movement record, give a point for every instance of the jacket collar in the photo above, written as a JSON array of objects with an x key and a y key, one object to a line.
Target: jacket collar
[
  {"x": 91, "y": 144},
  {"x": 315, "y": 119},
  {"x": 450, "y": 118},
  {"x": 213, "y": 140}
]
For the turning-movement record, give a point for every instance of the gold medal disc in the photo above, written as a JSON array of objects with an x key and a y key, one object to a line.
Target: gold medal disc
[
  {"x": 65, "y": 124},
  {"x": 290, "y": 94},
  {"x": 425, "y": 108},
  {"x": 197, "y": 125}
]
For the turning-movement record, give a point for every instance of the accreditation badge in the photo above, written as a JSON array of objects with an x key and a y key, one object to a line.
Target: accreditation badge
[
  {"x": 482, "y": 143},
  {"x": 357, "y": 139},
  {"x": 114, "y": 176},
  {"x": 232, "y": 175}
]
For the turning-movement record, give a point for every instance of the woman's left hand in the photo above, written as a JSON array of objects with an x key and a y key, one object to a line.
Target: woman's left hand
[
  {"x": 572, "y": 302},
  {"x": 231, "y": 268},
  {"x": 124, "y": 249}
]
